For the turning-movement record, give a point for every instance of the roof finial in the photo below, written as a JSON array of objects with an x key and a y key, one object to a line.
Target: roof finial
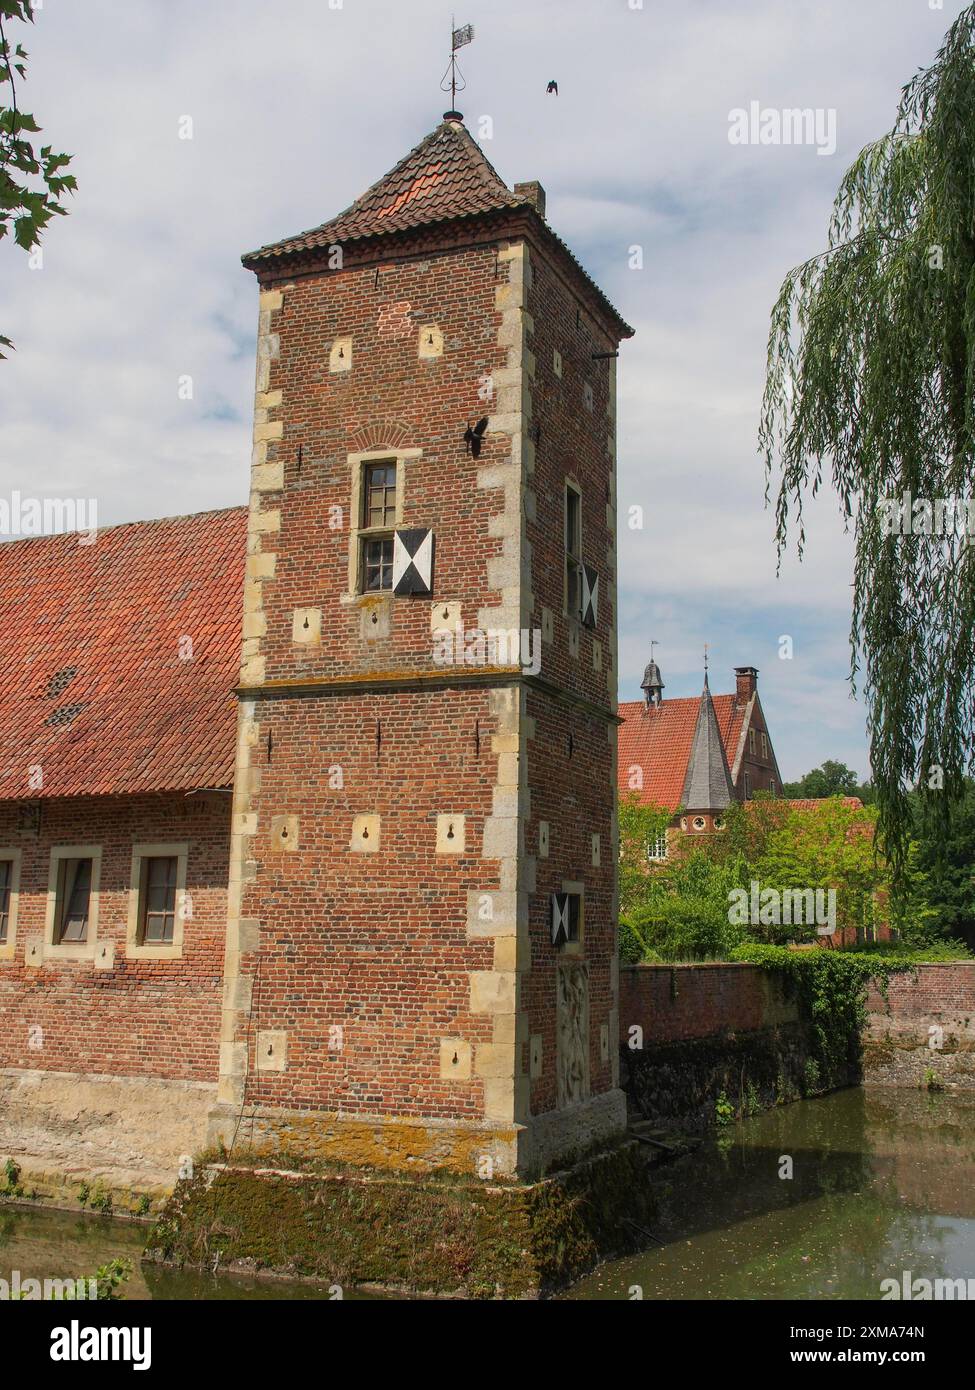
[
  {"x": 652, "y": 682},
  {"x": 453, "y": 78},
  {"x": 706, "y": 650}
]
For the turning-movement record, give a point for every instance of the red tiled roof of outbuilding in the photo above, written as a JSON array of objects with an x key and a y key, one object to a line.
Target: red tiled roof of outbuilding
[
  {"x": 95, "y": 692},
  {"x": 658, "y": 740}
]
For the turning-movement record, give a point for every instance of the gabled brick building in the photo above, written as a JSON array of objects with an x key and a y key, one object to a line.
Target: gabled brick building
[
  {"x": 401, "y": 943},
  {"x": 697, "y": 755}
]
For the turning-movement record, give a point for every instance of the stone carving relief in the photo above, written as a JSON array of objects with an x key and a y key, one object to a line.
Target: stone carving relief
[{"x": 572, "y": 1032}]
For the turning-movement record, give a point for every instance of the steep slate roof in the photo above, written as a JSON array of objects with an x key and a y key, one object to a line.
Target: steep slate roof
[
  {"x": 659, "y": 741},
  {"x": 707, "y": 785},
  {"x": 446, "y": 178},
  {"x": 94, "y": 691}
]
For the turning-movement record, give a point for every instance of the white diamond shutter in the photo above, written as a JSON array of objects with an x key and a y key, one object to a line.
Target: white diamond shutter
[
  {"x": 590, "y": 597},
  {"x": 413, "y": 562}
]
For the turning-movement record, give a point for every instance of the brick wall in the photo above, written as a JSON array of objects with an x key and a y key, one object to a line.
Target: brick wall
[
  {"x": 139, "y": 1018},
  {"x": 925, "y": 1029},
  {"x": 361, "y": 721},
  {"x": 671, "y": 1003}
]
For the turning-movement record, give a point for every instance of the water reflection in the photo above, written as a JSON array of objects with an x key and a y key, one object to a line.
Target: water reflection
[{"x": 882, "y": 1181}]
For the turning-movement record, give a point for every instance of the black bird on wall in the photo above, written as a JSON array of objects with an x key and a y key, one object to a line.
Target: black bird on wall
[
  {"x": 473, "y": 437},
  {"x": 553, "y": 88}
]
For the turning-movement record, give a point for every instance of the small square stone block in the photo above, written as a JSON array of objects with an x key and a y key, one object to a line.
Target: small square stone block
[
  {"x": 455, "y": 1059},
  {"x": 365, "y": 834},
  {"x": 451, "y": 834},
  {"x": 284, "y": 834}
]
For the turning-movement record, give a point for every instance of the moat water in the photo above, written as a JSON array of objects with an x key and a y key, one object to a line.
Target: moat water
[{"x": 882, "y": 1181}]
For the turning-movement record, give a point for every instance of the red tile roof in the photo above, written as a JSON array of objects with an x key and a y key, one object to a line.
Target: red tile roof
[
  {"x": 94, "y": 691},
  {"x": 658, "y": 740},
  {"x": 446, "y": 178},
  {"x": 446, "y": 175},
  {"x": 809, "y": 803}
]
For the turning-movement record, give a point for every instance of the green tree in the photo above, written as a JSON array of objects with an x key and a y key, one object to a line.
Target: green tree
[
  {"x": 832, "y": 779},
  {"x": 640, "y": 828},
  {"x": 940, "y": 901},
  {"x": 871, "y": 376},
  {"x": 32, "y": 182}
]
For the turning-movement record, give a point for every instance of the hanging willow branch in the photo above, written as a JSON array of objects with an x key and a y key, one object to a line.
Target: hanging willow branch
[{"x": 871, "y": 369}]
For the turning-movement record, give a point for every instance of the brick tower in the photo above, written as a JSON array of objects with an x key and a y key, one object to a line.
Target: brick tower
[{"x": 421, "y": 949}]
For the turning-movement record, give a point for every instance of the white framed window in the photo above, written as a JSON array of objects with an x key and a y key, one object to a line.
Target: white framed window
[
  {"x": 751, "y": 740},
  {"x": 377, "y": 480},
  {"x": 764, "y": 744},
  {"x": 657, "y": 847},
  {"x": 158, "y": 902},
  {"x": 746, "y": 784},
  {"x": 71, "y": 920},
  {"x": 9, "y": 899}
]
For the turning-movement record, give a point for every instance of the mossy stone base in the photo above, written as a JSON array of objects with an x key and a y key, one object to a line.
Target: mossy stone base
[{"x": 428, "y": 1234}]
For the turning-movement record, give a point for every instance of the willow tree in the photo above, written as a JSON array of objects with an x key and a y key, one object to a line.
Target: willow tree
[
  {"x": 871, "y": 369},
  {"x": 32, "y": 184}
]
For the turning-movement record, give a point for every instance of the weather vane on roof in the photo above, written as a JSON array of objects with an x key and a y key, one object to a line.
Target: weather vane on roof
[
  {"x": 706, "y": 650},
  {"x": 453, "y": 79}
]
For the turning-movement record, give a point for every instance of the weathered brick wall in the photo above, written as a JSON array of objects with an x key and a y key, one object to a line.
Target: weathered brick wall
[
  {"x": 139, "y": 1018},
  {"x": 690, "y": 1034},
  {"x": 924, "y": 1030},
  {"x": 672, "y": 1003},
  {"x": 571, "y": 758},
  {"x": 371, "y": 943},
  {"x": 389, "y": 397}
]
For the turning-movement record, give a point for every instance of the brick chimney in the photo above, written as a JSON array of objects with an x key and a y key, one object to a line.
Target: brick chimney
[
  {"x": 533, "y": 193},
  {"x": 746, "y": 678}
]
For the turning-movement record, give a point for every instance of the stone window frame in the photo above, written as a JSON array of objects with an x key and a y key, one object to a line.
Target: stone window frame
[
  {"x": 72, "y": 950},
  {"x": 358, "y": 463},
  {"x": 135, "y": 949},
  {"x": 14, "y": 858},
  {"x": 576, "y": 948}
]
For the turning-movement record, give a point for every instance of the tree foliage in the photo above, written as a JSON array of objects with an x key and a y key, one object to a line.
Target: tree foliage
[
  {"x": 33, "y": 184},
  {"x": 679, "y": 909},
  {"x": 871, "y": 377},
  {"x": 832, "y": 779}
]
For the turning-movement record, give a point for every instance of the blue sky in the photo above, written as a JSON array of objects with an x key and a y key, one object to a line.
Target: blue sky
[{"x": 298, "y": 106}]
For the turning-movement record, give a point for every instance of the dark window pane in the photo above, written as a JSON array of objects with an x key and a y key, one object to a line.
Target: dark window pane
[
  {"x": 75, "y": 899},
  {"x": 378, "y": 564},
  {"x": 158, "y": 899},
  {"x": 573, "y": 523},
  {"x": 379, "y": 495},
  {"x": 573, "y": 933},
  {"x": 5, "y": 876}
]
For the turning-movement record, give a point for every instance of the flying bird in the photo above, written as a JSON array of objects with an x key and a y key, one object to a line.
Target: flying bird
[
  {"x": 553, "y": 88},
  {"x": 473, "y": 436}
]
